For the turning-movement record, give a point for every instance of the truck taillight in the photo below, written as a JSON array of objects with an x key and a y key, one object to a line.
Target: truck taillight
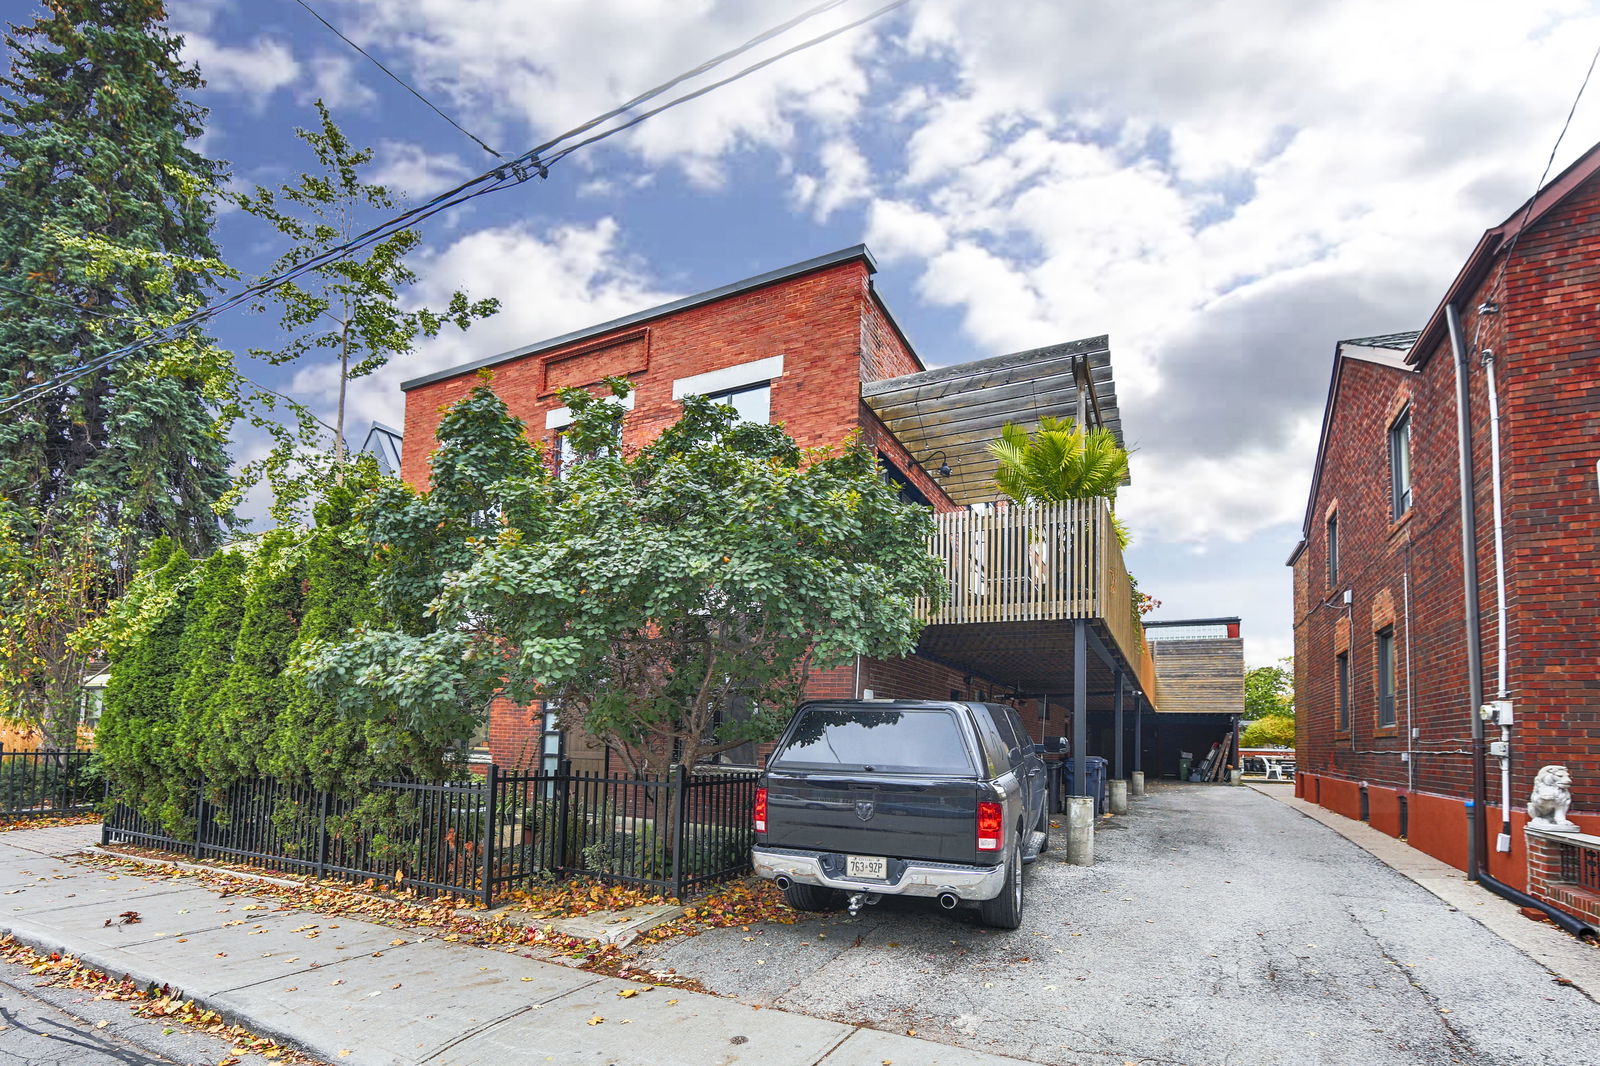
[
  {"x": 761, "y": 810},
  {"x": 991, "y": 826}
]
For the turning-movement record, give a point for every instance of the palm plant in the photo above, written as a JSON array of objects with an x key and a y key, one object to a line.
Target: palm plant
[{"x": 1061, "y": 461}]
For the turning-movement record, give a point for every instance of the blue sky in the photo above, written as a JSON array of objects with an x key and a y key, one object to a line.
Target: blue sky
[{"x": 1227, "y": 189}]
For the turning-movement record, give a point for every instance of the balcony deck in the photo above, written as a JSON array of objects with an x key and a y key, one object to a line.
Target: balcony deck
[{"x": 1019, "y": 578}]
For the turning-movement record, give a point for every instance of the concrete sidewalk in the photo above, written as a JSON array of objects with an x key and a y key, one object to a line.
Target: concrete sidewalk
[
  {"x": 371, "y": 995},
  {"x": 1545, "y": 943}
]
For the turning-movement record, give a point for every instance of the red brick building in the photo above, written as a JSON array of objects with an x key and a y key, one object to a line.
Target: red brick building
[
  {"x": 812, "y": 346},
  {"x": 1383, "y": 685}
]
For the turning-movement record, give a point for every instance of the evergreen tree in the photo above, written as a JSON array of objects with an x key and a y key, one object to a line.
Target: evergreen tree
[
  {"x": 311, "y": 741},
  {"x": 94, "y": 146},
  {"x": 243, "y": 712},
  {"x": 134, "y": 741},
  {"x": 211, "y": 628}
]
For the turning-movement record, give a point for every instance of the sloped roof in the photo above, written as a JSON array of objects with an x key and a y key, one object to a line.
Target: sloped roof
[
  {"x": 1391, "y": 353},
  {"x": 1490, "y": 246},
  {"x": 952, "y": 413}
]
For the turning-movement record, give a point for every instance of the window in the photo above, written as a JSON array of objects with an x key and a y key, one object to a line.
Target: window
[
  {"x": 1386, "y": 678},
  {"x": 1343, "y": 661},
  {"x": 753, "y": 402},
  {"x": 566, "y": 454},
  {"x": 1400, "y": 464},
  {"x": 917, "y": 741},
  {"x": 1333, "y": 549}
]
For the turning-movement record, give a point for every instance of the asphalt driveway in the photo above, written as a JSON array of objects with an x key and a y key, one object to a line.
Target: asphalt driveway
[{"x": 1218, "y": 926}]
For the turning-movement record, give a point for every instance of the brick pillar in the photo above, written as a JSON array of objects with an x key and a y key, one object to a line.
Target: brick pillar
[{"x": 1564, "y": 871}]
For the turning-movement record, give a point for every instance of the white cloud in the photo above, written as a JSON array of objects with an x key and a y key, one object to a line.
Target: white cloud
[
  {"x": 335, "y": 82},
  {"x": 548, "y": 283},
  {"x": 256, "y": 70},
  {"x": 846, "y": 178},
  {"x": 414, "y": 171},
  {"x": 557, "y": 65}
]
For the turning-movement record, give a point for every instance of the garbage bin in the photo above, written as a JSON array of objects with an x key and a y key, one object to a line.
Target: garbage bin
[
  {"x": 1183, "y": 769},
  {"x": 1095, "y": 770}
]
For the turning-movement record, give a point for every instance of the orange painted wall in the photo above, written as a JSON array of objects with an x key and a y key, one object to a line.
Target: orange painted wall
[{"x": 1383, "y": 809}]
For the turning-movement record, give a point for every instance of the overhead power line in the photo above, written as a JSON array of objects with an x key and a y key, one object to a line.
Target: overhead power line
[
  {"x": 1505, "y": 261},
  {"x": 399, "y": 80},
  {"x": 513, "y": 172}
]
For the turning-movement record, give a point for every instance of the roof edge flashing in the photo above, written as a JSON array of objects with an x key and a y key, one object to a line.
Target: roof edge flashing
[{"x": 758, "y": 281}]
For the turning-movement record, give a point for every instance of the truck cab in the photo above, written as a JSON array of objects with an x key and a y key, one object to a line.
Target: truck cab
[{"x": 866, "y": 798}]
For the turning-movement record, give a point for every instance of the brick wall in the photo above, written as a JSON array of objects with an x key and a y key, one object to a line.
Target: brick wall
[
  {"x": 1407, "y": 572},
  {"x": 816, "y": 322}
]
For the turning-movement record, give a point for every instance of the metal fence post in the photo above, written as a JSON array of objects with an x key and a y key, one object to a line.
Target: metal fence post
[
  {"x": 679, "y": 797},
  {"x": 322, "y": 835},
  {"x": 492, "y": 781},
  {"x": 564, "y": 811},
  {"x": 199, "y": 817}
]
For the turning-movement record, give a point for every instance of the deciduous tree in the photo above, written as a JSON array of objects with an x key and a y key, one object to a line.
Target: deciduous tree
[{"x": 673, "y": 598}]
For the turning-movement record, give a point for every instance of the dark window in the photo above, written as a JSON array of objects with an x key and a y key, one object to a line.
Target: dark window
[
  {"x": 1333, "y": 549},
  {"x": 896, "y": 479},
  {"x": 1400, "y": 464},
  {"x": 1386, "y": 678},
  {"x": 1007, "y": 727},
  {"x": 753, "y": 403},
  {"x": 1343, "y": 661},
  {"x": 886, "y": 740}
]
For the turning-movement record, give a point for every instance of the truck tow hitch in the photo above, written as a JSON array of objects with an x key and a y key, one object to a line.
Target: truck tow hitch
[{"x": 862, "y": 899}]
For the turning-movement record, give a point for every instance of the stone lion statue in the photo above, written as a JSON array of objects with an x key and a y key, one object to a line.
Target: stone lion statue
[{"x": 1550, "y": 800}]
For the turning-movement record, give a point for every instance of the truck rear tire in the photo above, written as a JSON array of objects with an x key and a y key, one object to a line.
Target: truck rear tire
[
  {"x": 1005, "y": 910},
  {"x": 811, "y": 897}
]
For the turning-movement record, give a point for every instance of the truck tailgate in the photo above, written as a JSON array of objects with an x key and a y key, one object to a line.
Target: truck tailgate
[{"x": 898, "y": 816}]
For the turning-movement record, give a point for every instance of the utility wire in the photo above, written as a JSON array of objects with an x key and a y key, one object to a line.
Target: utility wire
[
  {"x": 1505, "y": 261},
  {"x": 398, "y": 80},
  {"x": 884, "y": 10},
  {"x": 514, "y": 172}
]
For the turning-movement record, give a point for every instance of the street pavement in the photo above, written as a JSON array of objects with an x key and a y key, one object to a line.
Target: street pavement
[
  {"x": 1217, "y": 926},
  {"x": 1220, "y": 926},
  {"x": 361, "y": 994}
]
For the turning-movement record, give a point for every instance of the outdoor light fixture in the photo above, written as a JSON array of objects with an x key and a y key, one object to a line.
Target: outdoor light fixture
[{"x": 944, "y": 464}]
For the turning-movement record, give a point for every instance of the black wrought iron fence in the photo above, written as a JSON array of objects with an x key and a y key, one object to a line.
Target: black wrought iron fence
[
  {"x": 37, "y": 784},
  {"x": 676, "y": 832}
]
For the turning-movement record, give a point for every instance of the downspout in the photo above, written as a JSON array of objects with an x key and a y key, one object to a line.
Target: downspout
[
  {"x": 1502, "y": 690},
  {"x": 1469, "y": 576},
  {"x": 1469, "y": 567},
  {"x": 1411, "y": 730}
]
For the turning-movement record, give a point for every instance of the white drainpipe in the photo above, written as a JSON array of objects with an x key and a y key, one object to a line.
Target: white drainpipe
[{"x": 1502, "y": 691}]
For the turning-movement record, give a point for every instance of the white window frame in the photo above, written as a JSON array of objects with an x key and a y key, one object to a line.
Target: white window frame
[{"x": 729, "y": 379}]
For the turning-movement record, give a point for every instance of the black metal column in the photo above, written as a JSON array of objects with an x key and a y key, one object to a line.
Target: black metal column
[
  {"x": 1116, "y": 751},
  {"x": 1138, "y": 732},
  {"x": 1080, "y": 707}
]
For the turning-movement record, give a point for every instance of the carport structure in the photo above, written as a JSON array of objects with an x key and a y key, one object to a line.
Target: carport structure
[{"x": 1040, "y": 598}]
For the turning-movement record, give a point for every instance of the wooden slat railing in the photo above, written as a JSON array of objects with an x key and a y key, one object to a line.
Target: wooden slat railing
[{"x": 1041, "y": 562}]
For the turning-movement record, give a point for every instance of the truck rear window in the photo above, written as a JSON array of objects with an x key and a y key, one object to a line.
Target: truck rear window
[{"x": 892, "y": 741}]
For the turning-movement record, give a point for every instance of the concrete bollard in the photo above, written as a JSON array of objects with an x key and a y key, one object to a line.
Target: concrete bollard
[
  {"x": 1080, "y": 830},
  {"x": 1119, "y": 797},
  {"x": 1137, "y": 788}
]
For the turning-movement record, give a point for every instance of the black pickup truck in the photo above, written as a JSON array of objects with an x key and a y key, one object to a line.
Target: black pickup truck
[{"x": 867, "y": 798}]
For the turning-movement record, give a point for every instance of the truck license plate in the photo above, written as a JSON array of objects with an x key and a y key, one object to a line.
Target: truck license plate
[{"x": 871, "y": 866}]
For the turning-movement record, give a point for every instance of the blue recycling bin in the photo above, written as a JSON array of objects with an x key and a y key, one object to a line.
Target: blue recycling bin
[{"x": 1095, "y": 770}]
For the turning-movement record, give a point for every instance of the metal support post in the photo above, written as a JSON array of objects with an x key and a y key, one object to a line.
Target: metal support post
[
  {"x": 1080, "y": 708},
  {"x": 1117, "y": 769}
]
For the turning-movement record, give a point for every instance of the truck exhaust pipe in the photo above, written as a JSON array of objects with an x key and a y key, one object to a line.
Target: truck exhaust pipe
[
  {"x": 782, "y": 881},
  {"x": 948, "y": 900}
]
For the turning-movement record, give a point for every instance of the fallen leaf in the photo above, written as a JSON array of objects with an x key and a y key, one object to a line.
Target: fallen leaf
[
  {"x": 627, "y": 993},
  {"x": 596, "y": 1020},
  {"x": 101, "y": 1024},
  {"x": 344, "y": 1053}
]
